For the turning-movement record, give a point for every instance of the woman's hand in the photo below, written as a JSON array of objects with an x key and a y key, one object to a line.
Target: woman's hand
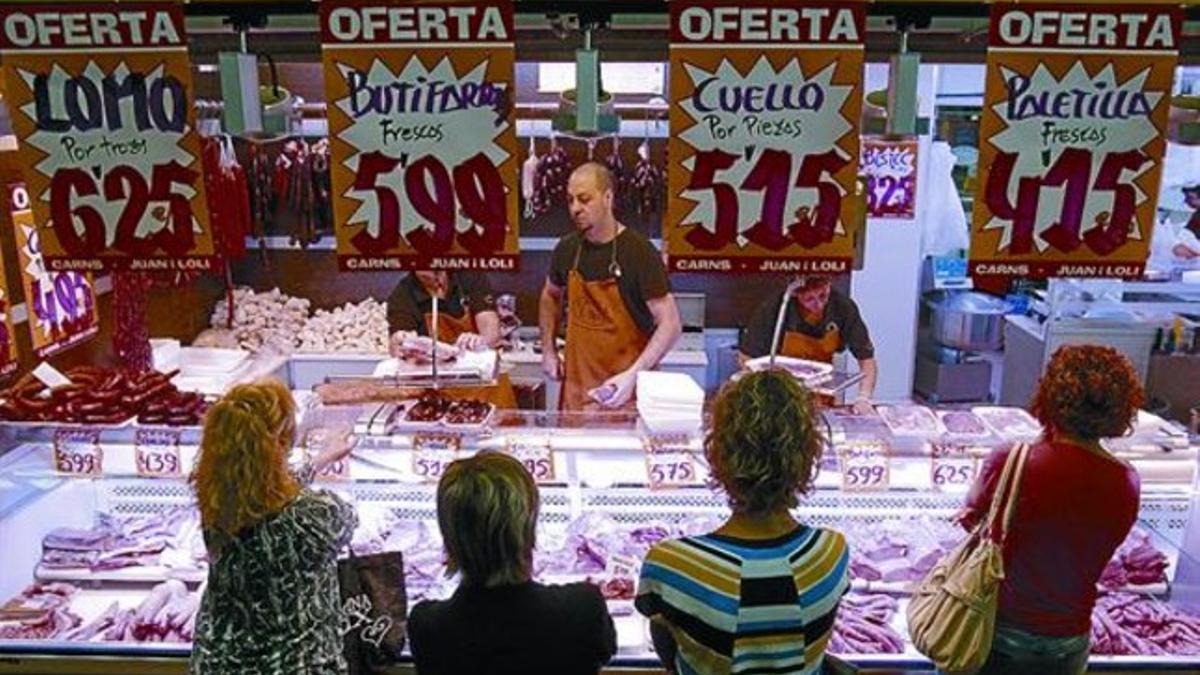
[{"x": 337, "y": 445}]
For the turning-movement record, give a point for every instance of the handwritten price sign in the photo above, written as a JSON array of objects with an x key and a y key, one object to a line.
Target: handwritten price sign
[
  {"x": 77, "y": 452},
  {"x": 433, "y": 454},
  {"x": 536, "y": 454},
  {"x": 890, "y": 168},
  {"x": 669, "y": 461},
  {"x": 101, "y": 101},
  {"x": 424, "y": 171},
  {"x": 1072, "y": 139},
  {"x": 765, "y": 101},
  {"x": 314, "y": 443},
  {"x": 866, "y": 466},
  {"x": 157, "y": 453},
  {"x": 953, "y": 467}
]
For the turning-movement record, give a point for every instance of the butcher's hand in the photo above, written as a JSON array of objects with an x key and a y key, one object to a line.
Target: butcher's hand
[
  {"x": 397, "y": 339},
  {"x": 862, "y": 406},
  {"x": 471, "y": 342},
  {"x": 1185, "y": 252},
  {"x": 622, "y": 387},
  {"x": 552, "y": 365}
]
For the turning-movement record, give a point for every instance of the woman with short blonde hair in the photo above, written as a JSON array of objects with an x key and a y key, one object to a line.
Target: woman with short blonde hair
[
  {"x": 271, "y": 603},
  {"x": 499, "y": 620}
]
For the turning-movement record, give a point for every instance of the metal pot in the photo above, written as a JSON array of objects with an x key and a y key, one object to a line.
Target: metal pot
[{"x": 969, "y": 321}]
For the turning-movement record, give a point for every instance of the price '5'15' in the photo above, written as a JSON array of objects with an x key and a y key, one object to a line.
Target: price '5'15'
[
  {"x": 123, "y": 183},
  {"x": 474, "y": 187},
  {"x": 772, "y": 176}
]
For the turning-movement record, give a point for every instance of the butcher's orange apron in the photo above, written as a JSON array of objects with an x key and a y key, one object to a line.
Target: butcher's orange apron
[
  {"x": 800, "y": 346},
  {"x": 450, "y": 328},
  {"x": 602, "y": 337}
]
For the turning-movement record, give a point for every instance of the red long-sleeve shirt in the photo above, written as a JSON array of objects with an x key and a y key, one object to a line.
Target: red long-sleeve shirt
[{"x": 1074, "y": 509}]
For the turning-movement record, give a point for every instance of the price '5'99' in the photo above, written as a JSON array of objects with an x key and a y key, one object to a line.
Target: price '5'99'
[
  {"x": 474, "y": 187},
  {"x": 125, "y": 183},
  {"x": 772, "y": 176}
]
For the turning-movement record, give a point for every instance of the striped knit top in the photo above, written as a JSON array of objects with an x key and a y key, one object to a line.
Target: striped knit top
[{"x": 752, "y": 607}]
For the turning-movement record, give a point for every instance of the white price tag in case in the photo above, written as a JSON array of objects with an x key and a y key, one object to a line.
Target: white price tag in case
[
  {"x": 157, "y": 453},
  {"x": 670, "y": 462},
  {"x": 77, "y": 452},
  {"x": 433, "y": 453},
  {"x": 314, "y": 443},
  {"x": 866, "y": 466},
  {"x": 536, "y": 453},
  {"x": 953, "y": 467}
]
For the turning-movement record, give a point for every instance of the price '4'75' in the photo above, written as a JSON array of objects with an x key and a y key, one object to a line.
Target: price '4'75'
[
  {"x": 474, "y": 187},
  {"x": 1072, "y": 172}
]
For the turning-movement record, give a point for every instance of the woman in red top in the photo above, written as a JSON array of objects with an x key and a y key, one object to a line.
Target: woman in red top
[{"x": 1076, "y": 505}]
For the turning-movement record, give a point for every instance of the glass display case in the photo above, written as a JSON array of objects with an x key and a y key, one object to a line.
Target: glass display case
[{"x": 93, "y": 520}]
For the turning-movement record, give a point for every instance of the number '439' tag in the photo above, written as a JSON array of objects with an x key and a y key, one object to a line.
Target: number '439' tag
[
  {"x": 157, "y": 453},
  {"x": 866, "y": 466}
]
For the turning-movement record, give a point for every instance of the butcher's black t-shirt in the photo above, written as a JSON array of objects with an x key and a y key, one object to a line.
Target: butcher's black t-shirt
[
  {"x": 522, "y": 629},
  {"x": 409, "y": 302},
  {"x": 643, "y": 276},
  {"x": 840, "y": 312}
]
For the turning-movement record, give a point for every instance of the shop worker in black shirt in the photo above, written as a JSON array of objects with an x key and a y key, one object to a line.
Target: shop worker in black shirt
[
  {"x": 499, "y": 621},
  {"x": 621, "y": 316},
  {"x": 466, "y": 311},
  {"x": 818, "y": 323}
]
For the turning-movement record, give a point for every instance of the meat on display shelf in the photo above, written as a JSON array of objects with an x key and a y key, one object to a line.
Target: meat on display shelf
[{"x": 595, "y": 472}]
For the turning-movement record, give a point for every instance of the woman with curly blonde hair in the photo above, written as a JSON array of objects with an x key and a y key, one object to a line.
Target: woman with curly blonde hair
[
  {"x": 762, "y": 590},
  {"x": 271, "y": 604},
  {"x": 1075, "y": 505}
]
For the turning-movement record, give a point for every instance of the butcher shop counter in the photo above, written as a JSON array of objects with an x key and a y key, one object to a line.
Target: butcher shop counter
[{"x": 609, "y": 490}]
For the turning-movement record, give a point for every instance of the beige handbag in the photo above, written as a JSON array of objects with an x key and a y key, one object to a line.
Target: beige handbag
[{"x": 952, "y": 614}]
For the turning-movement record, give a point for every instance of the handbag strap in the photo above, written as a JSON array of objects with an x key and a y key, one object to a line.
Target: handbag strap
[{"x": 1004, "y": 498}]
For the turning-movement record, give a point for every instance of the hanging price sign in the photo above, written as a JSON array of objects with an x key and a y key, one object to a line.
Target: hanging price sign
[
  {"x": 62, "y": 305},
  {"x": 890, "y": 169},
  {"x": 422, "y": 130},
  {"x": 77, "y": 452},
  {"x": 953, "y": 466},
  {"x": 1072, "y": 138},
  {"x": 157, "y": 453},
  {"x": 670, "y": 461},
  {"x": 866, "y": 466},
  {"x": 536, "y": 453},
  {"x": 433, "y": 454},
  {"x": 100, "y": 96},
  {"x": 765, "y": 101}
]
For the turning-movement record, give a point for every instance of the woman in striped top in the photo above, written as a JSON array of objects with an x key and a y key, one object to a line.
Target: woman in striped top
[{"x": 758, "y": 595}]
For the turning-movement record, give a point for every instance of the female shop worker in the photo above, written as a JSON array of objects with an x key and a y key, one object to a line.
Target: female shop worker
[
  {"x": 466, "y": 315},
  {"x": 819, "y": 323},
  {"x": 621, "y": 316}
]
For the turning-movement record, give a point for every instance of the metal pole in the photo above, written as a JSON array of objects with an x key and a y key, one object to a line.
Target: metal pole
[
  {"x": 787, "y": 296},
  {"x": 434, "y": 332}
]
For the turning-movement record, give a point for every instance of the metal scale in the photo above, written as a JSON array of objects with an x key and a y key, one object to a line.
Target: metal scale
[{"x": 944, "y": 373}]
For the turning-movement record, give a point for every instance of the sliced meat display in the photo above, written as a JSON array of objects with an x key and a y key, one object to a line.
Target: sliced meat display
[
  {"x": 962, "y": 423},
  {"x": 863, "y": 626},
  {"x": 1011, "y": 423},
  {"x": 909, "y": 420},
  {"x": 1136, "y": 625}
]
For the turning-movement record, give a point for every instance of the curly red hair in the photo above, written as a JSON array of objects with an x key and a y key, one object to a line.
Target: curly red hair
[
  {"x": 1088, "y": 392},
  {"x": 241, "y": 474}
]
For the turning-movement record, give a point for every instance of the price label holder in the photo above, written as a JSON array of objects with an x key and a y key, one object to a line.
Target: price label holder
[
  {"x": 314, "y": 443},
  {"x": 953, "y": 466},
  {"x": 433, "y": 453},
  {"x": 536, "y": 453},
  {"x": 670, "y": 462},
  {"x": 77, "y": 452},
  {"x": 157, "y": 453},
  {"x": 866, "y": 466}
]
